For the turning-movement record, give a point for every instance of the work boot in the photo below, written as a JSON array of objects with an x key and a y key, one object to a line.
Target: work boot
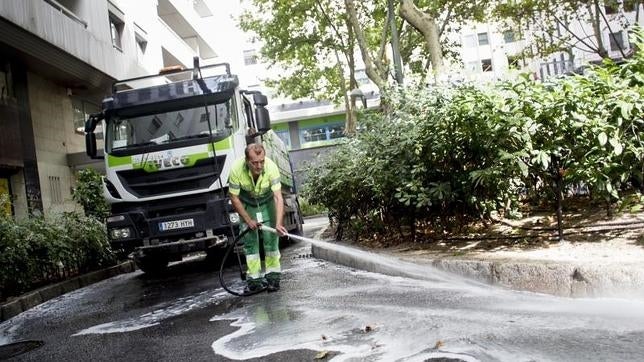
[
  {"x": 254, "y": 285},
  {"x": 273, "y": 280}
]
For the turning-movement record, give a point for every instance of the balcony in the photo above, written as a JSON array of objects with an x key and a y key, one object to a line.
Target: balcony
[
  {"x": 50, "y": 35},
  {"x": 182, "y": 18},
  {"x": 175, "y": 49}
]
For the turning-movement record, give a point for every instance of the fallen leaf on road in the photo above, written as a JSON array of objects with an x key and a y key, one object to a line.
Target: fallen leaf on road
[
  {"x": 323, "y": 337},
  {"x": 368, "y": 329},
  {"x": 439, "y": 344},
  {"x": 321, "y": 354}
]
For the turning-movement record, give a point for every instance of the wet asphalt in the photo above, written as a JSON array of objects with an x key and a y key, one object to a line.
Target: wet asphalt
[{"x": 324, "y": 311}]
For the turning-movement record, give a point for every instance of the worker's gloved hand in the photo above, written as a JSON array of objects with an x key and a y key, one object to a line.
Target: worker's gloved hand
[
  {"x": 253, "y": 225},
  {"x": 281, "y": 230}
]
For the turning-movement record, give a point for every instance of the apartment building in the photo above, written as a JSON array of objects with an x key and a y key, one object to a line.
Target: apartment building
[
  {"x": 58, "y": 60},
  {"x": 493, "y": 51}
]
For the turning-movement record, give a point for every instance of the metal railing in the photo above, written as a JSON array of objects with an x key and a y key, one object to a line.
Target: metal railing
[{"x": 56, "y": 5}]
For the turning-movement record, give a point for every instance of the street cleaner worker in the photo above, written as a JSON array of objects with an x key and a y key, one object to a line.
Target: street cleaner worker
[{"x": 255, "y": 192}]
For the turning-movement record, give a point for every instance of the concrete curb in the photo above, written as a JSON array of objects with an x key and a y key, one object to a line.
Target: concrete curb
[
  {"x": 33, "y": 298},
  {"x": 560, "y": 279}
]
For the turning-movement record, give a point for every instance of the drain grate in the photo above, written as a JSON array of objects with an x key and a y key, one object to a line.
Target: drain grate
[{"x": 18, "y": 348}]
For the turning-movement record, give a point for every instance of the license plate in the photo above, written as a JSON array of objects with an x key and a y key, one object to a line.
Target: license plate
[{"x": 176, "y": 224}]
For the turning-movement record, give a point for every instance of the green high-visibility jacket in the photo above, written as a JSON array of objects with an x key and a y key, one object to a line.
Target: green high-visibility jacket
[{"x": 241, "y": 183}]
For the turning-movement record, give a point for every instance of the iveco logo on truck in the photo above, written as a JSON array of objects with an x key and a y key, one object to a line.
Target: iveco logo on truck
[{"x": 170, "y": 140}]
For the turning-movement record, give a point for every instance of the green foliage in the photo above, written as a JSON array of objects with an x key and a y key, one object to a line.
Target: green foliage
[
  {"x": 309, "y": 209},
  {"x": 446, "y": 156},
  {"x": 37, "y": 250},
  {"x": 89, "y": 193},
  {"x": 304, "y": 38}
]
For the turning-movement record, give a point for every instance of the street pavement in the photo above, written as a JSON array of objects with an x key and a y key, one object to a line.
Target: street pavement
[{"x": 328, "y": 311}]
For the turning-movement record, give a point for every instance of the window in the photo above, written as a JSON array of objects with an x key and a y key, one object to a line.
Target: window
[
  {"x": 486, "y": 64},
  {"x": 285, "y": 137},
  {"x": 483, "y": 39},
  {"x": 55, "y": 190},
  {"x": 616, "y": 41},
  {"x": 80, "y": 112},
  {"x": 473, "y": 66},
  {"x": 509, "y": 37},
  {"x": 250, "y": 57},
  {"x": 469, "y": 41},
  {"x": 141, "y": 45},
  {"x": 336, "y": 131},
  {"x": 314, "y": 134},
  {"x": 116, "y": 31},
  {"x": 322, "y": 133}
]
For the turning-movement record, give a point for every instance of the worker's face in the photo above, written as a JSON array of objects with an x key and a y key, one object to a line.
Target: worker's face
[{"x": 256, "y": 163}]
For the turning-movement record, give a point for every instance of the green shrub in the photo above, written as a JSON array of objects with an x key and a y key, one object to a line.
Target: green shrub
[
  {"x": 36, "y": 251},
  {"x": 89, "y": 193},
  {"x": 309, "y": 209}
]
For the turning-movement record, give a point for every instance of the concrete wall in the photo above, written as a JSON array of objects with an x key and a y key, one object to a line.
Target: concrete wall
[
  {"x": 54, "y": 137},
  {"x": 302, "y": 157},
  {"x": 19, "y": 195}
]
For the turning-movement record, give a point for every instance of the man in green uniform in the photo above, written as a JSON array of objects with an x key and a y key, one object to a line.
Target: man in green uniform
[{"x": 255, "y": 191}]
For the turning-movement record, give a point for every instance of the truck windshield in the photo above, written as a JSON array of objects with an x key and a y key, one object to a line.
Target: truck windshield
[{"x": 169, "y": 127}]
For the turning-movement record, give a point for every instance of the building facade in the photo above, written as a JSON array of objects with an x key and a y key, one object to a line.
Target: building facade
[
  {"x": 58, "y": 60},
  {"x": 492, "y": 51}
]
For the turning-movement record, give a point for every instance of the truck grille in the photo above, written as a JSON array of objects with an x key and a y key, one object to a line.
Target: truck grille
[{"x": 145, "y": 184}]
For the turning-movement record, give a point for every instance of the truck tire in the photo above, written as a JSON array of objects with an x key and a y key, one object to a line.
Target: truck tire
[{"x": 152, "y": 265}]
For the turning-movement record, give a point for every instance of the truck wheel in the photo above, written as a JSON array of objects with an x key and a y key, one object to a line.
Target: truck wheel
[{"x": 152, "y": 265}]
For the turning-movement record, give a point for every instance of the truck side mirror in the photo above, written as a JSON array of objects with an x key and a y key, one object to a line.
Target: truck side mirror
[
  {"x": 90, "y": 136},
  {"x": 260, "y": 100},
  {"x": 90, "y": 144},
  {"x": 262, "y": 119}
]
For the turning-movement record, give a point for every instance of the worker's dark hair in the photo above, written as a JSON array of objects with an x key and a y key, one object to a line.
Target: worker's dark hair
[{"x": 256, "y": 148}]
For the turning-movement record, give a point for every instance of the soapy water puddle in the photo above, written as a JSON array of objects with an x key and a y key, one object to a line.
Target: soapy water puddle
[{"x": 369, "y": 316}]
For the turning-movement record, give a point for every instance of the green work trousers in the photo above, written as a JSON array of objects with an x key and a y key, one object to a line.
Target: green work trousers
[{"x": 271, "y": 242}]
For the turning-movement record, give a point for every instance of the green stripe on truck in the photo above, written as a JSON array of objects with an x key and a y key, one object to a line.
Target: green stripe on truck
[
  {"x": 224, "y": 144},
  {"x": 113, "y": 161}
]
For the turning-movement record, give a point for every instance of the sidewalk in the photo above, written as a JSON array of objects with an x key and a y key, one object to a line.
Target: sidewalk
[
  {"x": 609, "y": 267},
  {"x": 31, "y": 299}
]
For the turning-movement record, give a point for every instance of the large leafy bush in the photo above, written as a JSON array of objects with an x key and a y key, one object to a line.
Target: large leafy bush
[{"x": 445, "y": 156}]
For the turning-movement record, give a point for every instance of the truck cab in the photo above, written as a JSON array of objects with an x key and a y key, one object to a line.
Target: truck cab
[{"x": 170, "y": 140}]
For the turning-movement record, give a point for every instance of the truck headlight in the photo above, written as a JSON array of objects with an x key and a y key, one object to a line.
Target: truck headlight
[
  {"x": 120, "y": 233},
  {"x": 233, "y": 217}
]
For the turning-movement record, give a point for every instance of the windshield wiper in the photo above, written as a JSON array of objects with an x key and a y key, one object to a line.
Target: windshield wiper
[
  {"x": 149, "y": 143},
  {"x": 200, "y": 135}
]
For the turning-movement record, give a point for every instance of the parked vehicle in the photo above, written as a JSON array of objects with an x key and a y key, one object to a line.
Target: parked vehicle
[{"x": 169, "y": 142}]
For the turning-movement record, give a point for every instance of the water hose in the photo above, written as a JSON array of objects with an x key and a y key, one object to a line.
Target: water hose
[{"x": 231, "y": 246}]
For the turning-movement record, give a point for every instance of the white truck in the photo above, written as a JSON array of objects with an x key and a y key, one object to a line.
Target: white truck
[{"x": 169, "y": 143}]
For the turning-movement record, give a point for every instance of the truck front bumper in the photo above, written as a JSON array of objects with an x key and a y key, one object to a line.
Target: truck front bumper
[{"x": 176, "y": 226}]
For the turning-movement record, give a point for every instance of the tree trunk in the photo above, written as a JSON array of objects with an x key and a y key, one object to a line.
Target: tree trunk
[
  {"x": 596, "y": 21},
  {"x": 426, "y": 25},
  {"x": 350, "y": 123},
  {"x": 372, "y": 68}
]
